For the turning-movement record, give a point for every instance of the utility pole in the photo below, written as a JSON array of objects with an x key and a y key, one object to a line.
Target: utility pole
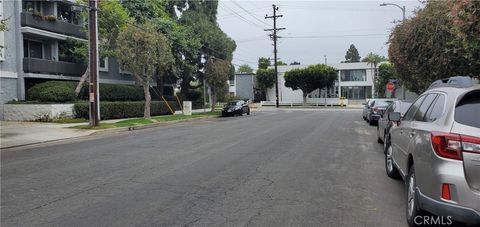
[
  {"x": 93, "y": 61},
  {"x": 274, "y": 37}
]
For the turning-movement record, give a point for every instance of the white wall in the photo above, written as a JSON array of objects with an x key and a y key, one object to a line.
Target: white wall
[{"x": 32, "y": 112}]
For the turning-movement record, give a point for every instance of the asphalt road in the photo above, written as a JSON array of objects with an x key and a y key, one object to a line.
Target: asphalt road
[{"x": 273, "y": 168}]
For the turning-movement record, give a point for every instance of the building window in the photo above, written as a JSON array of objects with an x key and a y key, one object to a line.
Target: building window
[
  {"x": 357, "y": 92},
  {"x": 123, "y": 71},
  {"x": 32, "y": 49},
  {"x": 33, "y": 7},
  {"x": 353, "y": 75},
  {"x": 103, "y": 64}
]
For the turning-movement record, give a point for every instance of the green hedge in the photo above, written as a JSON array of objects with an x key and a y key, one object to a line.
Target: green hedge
[
  {"x": 116, "y": 110},
  {"x": 52, "y": 91},
  {"x": 64, "y": 91}
]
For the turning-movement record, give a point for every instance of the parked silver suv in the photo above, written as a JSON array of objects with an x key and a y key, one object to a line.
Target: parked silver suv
[{"x": 435, "y": 148}]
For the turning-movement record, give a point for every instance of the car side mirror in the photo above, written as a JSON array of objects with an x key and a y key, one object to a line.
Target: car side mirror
[{"x": 394, "y": 116}]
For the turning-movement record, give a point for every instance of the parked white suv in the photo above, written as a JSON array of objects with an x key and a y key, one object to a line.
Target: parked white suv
[{"x": 435, "y": 148}]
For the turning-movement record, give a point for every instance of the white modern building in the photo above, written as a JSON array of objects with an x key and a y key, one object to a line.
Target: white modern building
[{"x": 355, "y": 82}]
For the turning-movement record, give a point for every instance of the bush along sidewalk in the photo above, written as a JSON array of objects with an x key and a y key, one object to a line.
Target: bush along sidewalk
[
  {"x": 118, "y": 110},
  {"x": 153, "y": 120}
]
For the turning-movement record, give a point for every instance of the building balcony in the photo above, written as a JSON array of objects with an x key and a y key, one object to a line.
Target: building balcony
[
  {"x": 49, "y": 23},
  {"x": 44, "y": 66}
]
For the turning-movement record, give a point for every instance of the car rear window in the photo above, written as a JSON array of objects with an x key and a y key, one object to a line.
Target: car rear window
[
  {"x": 467, "y": 111},
  {"x": 382, "y": 103}
]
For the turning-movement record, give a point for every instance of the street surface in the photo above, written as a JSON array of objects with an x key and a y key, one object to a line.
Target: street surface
[{"x": 273, "y": 168}]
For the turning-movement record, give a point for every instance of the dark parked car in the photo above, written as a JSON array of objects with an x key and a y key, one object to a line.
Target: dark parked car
[
  {"x": 237, "y": 107},
  {"x": 376, "y": 110},
  {"x": 368, "y": 105},
  {"x": 384, "y": 125}
]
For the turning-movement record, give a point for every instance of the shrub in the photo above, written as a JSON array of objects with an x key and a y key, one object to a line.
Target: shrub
[
  {"x": 64, "y": 91},
  {"x": 116, "y": 110},
  {"x": 120, "y": 92},
  {"x": 52, "y": 91}
]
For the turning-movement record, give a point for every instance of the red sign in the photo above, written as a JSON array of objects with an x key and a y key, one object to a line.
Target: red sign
[{"x": 390, "y": 86}]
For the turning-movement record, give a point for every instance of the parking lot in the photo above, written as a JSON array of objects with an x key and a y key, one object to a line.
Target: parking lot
[{"x": 274, "y": 167}]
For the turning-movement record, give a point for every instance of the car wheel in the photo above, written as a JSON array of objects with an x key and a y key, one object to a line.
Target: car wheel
[
  {"x": 390, "y": 168},
  {"x": 413, "y": 210}
]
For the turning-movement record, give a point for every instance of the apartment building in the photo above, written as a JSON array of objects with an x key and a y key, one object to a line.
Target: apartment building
[{"x": 37, "y": 47}]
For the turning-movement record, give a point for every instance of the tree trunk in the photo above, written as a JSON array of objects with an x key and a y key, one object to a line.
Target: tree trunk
[
  {"x": 82, "y": 80},
  {"x": 148, "y": 101},
  {"x": 213, "y": 103},
  {"x": 304, "y": 99}
]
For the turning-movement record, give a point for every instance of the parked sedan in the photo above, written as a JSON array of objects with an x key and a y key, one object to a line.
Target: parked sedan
[
  {"x": 384, "y": 124},
  {"x": 237, "y": 107},
  {"x": 376, "y": 110}
]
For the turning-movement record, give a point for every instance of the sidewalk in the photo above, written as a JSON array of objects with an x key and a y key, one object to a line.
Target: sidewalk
[
  {"x": 20, "y": 133},
  {"x": 17, "y": 133}
]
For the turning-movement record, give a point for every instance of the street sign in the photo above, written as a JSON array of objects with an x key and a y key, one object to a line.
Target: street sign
[{"x": 390, "y": 86}]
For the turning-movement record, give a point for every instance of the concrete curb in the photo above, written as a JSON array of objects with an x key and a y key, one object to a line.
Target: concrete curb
[
  {"x": 156, "y": 124},
  {"x": 109, "y": 131}
]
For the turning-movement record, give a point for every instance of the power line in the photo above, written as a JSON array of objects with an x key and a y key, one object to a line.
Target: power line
[
  {"x": 254, "y": 17},
  {"x": 228, "y": 15},
  {"x": 331, "y": 36},
  {"x": 241, "y": 17}
]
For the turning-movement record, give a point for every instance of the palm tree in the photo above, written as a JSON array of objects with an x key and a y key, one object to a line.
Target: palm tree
[{"x": 373, "y": 60}]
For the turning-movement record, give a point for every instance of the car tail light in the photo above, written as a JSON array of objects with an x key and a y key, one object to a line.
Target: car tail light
[
  {"x": 375, "y": 109},
  {"x": 446, "y": 191},
  {"x": 449, "y": 145}
]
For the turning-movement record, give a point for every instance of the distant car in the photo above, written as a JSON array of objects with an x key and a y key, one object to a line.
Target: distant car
[
  {"x": 237, "y": 107},
  {"x": 384, "y": 125},
  {"x": 435, "y": 149},
  {"x": 368, "y": 105},
  {"x": 377, "y": 107}
]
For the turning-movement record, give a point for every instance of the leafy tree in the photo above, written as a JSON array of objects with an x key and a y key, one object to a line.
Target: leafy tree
[
  {"x": 281, "y": 63},
  {"x": 214, "y": 42},
  {"x": 295, "y": 63},
  {"x": 440, "y": 41},
  {"x": 263, "y": 63},
  {"x": 311, "y": 78},
  {"x": 465, "y": 16},
  {"x": 245, "y": 69},
  {"x": 112, "y": 19},
  {"x": 145, "y": 10},
  {"x": 352, "y": 54},
  {"x": 216, "y": 74},
  {"x": 265, "y": 79},
  {"x": 3, "y": 25},
  {"x": 142, "y": 50},
  {"x": 386, "y": 73}
]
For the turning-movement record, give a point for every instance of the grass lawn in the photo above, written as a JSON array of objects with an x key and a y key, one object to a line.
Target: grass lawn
[
  {"x": 70, "y": 120},
  {"x": 142, "y": 121}
]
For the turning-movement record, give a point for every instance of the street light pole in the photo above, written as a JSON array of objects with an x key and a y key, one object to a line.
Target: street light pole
[{"x": 403, "y": 19}]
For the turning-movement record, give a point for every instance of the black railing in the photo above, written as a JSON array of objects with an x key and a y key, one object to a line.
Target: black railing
[
  {"x": 52, "y": 24},
  {"x": 37, "y": 65}
]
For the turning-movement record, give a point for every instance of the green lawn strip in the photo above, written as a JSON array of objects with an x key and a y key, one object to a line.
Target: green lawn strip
[
  {"x": 70, "y": 120},
  {"x": 142, "y": 121}
]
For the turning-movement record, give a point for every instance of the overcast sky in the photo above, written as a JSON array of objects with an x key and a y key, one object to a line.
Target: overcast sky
[{"x": 313, "y": 28}]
